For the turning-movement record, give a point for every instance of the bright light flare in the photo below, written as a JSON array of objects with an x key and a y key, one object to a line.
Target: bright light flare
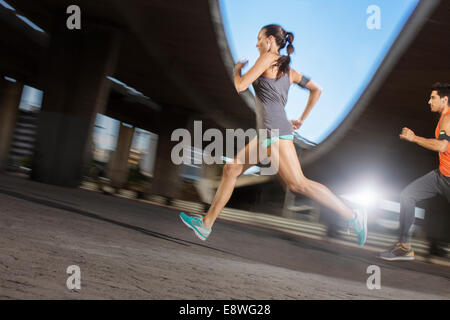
[{"x": 368, "y": 197}]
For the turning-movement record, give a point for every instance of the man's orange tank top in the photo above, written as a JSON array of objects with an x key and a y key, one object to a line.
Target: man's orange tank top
[{"x": 444, "y": 157}]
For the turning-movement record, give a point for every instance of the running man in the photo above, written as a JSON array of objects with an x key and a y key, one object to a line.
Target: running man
[
  {"x": 272, "y": 77},
  {"x": 434, "y": 183}
]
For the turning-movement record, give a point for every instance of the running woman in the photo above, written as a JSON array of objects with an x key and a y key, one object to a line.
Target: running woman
[
  {"x": 272, "y": 77},
  {"x": 430, "y": 185}
]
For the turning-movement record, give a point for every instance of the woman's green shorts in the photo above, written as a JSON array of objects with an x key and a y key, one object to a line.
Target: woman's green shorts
[{"x": 267, "y": 142}]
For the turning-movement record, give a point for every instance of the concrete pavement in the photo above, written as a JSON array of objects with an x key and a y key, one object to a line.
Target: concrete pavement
[{"x": 134, "y": 250}]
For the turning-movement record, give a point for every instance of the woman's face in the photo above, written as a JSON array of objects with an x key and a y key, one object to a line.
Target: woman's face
[{"x": 262, "y": 43}]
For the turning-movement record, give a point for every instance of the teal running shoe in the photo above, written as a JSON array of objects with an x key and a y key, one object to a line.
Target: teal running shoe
[
  {"x": 359, "y": 224},
  {"x": 196, "y": 224}
]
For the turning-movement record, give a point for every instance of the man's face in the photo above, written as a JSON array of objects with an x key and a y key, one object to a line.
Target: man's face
[{"x": 436, "y": 102}]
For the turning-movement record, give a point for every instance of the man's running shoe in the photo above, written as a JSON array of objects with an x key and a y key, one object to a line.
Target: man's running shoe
[
  {"x": 397, "y": 253},
  {"x": 196, "y": 224},
  {"x": 359, "y": 224}
]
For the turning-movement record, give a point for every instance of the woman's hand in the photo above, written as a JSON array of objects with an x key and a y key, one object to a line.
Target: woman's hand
[
  {"x": 240, "y": 65},
  {"x": 296, "y": 124}
]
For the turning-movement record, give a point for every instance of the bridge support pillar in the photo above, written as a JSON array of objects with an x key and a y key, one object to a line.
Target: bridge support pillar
[
  {"x": 75, "y": 90},
  {"x": 10, "y": 94}
]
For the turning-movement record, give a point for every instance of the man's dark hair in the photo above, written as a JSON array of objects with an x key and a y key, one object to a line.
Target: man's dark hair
[{"x": 443, "y": 89}]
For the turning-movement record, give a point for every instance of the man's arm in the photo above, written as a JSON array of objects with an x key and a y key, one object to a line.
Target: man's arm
[{"x": 431, "y": 144}]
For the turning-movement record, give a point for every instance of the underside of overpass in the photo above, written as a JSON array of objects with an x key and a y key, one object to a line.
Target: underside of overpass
[
  {"x": 169, "y": 51},
  {"x": 172, "y": 53}
]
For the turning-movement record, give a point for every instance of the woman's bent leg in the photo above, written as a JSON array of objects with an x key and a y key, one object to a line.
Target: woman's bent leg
[{"x": 231, "y": 172}]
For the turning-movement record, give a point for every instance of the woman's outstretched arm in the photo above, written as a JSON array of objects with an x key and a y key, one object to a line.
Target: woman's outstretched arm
[{"x": 264, "y": 61}]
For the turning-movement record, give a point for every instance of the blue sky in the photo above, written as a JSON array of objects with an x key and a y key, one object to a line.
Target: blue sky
[{"x": 332, "y": 45}]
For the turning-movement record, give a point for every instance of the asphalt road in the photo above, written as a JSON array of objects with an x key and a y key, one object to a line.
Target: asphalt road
[{"x": 132, "y": 250}]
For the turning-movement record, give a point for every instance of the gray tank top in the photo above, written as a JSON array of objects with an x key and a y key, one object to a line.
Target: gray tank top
[{"x": 271, "y": 98}]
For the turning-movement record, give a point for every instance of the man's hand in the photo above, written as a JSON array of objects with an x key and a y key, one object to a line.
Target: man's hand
[
  {"x": 407, "y": 134},
  {"x": 296, "y": 124}
]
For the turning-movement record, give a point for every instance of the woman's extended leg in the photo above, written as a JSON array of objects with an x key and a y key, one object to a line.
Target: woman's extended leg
[
  {"x": 231, "y": 172},
  {"x": 291, "y": 173}
]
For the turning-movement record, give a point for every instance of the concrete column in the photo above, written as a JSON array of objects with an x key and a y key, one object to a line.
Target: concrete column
[
  {"x": 10, "y": 94},
  {"x": 75, "y": 90},
  {"x": 167, "y": 181},
  {"x": 118, "y": 166}
]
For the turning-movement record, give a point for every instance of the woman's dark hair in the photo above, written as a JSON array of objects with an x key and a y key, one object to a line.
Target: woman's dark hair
[{"x": 281, "y": 38}]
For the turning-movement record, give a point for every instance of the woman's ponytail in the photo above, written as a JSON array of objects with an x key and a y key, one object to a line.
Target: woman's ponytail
[{"x": 281, "y": 38}]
